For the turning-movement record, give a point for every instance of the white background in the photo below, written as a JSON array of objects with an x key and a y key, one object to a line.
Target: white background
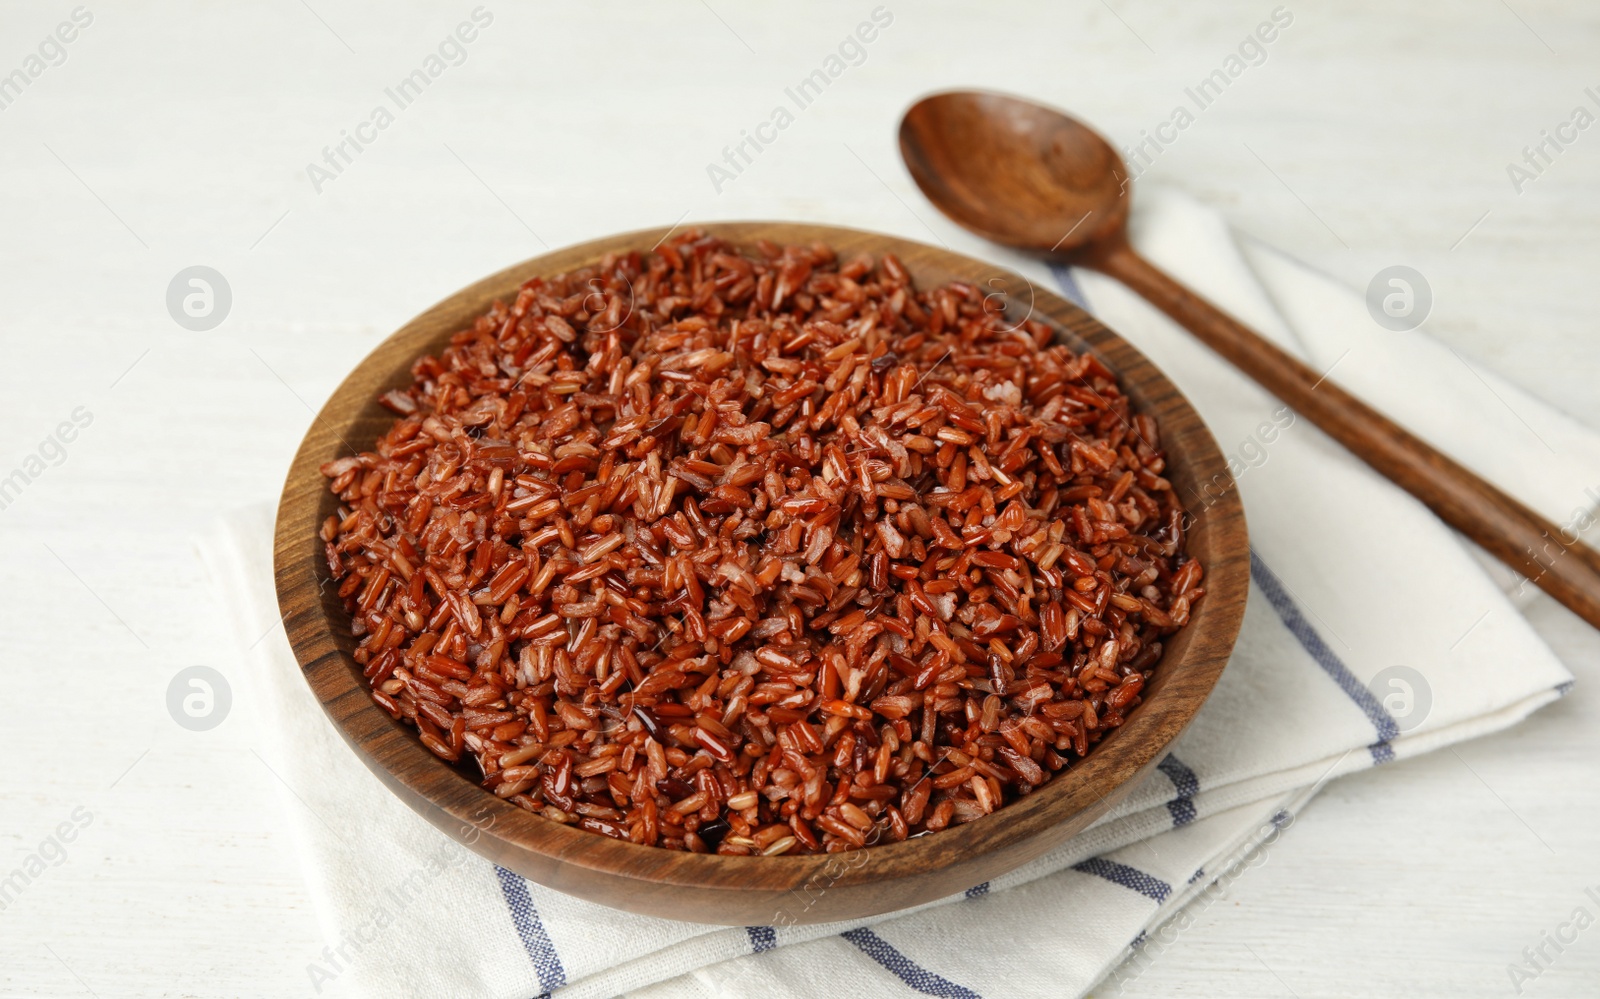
[{"x": 180, "y": 135}]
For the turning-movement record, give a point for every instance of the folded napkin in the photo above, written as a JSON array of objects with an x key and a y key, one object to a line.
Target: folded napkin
[{"x": 1372, "y": 633}]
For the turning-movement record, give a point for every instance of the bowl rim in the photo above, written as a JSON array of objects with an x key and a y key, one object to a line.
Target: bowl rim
[{"x": 447, "y": 796}]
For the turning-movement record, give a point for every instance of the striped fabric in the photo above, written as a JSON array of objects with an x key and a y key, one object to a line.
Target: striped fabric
[{"x": 541, "y": 952}]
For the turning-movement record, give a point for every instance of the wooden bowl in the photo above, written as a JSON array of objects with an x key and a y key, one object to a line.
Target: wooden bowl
[{"x": 781, "y": 890}]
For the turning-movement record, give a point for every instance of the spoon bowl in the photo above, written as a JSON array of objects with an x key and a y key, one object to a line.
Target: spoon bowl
[{"x": 1014, "y": 171}]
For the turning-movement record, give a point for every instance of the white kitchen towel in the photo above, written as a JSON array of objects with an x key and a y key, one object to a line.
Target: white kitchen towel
[{"x": 1372, "y": 634}]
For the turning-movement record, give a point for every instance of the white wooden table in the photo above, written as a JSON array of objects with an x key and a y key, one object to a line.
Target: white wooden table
[{"x": 176, "y": 136}]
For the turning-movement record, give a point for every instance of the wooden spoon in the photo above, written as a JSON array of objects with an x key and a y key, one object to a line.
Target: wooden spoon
[{"x": 1031, "y": 177}]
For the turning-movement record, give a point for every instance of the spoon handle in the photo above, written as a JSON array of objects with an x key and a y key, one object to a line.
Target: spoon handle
[{"x": 1566, "y": 569}]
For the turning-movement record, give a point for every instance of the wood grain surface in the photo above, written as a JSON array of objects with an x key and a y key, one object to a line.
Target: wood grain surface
[
  {"x": 759, "y": 890},
  {"x": 1374, "y": 134}
]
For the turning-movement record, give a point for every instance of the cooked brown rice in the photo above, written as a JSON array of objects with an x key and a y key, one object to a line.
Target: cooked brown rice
[{"x": 759, "y": 552}]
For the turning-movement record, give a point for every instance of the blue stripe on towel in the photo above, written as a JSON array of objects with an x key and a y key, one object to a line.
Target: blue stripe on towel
[
  {"x": 761, "y": 938},
  {"x": 1330, "y": 662},
  {"x": 546, "y": 962},
  {"x": 978, "y": 891},
  {"x": 1069, "y": 285},
  {"x": 1187, "y": 785},
  {"x": 905, "y": 969},
  {"x": 1132, "y": 878}
]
